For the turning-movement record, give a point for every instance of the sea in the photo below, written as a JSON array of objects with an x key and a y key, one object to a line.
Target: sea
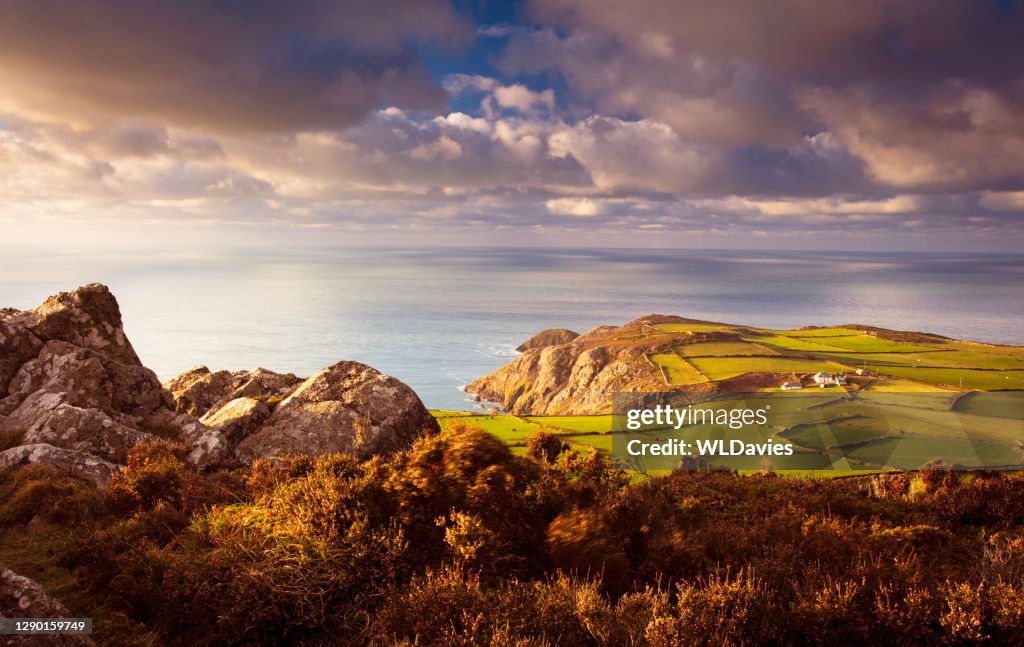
[{"x": 438, "y": 318}]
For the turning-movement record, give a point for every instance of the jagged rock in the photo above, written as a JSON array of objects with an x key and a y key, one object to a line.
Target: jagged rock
[
  {"x": 95, "y": 469},
  {"x": 348, "y": 407},
  {"x": 78, "y": 384},
  {"x": 85, "y": 430},
  {"x": 199, "y": 391},
  {"x": 238, "y": 418},
  {"x": 21, "y": 597},
  {"x": 206, "y": 446},
  {"x": 88, "y": 317},
  {"x": 550, "y": 337},
  {"x": 263, "y": 384},
  {"x": 87, "y": 379},
  {"x": 17, "y": 346}
]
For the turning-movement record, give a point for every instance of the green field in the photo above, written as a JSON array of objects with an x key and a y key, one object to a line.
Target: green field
[
  {"x": 450, "y": 413},
  {"x": 991, "y": 404},
  {"x": 579, "y": 424},
  {"x": 885, "y": 384},
  {"x": 826, "y": 436},
  {"x": 935, "y": 358},
  {"x": 676, "y": 370},
  {"x": 910, "y": 452},
  {"x": 817, "y": 332},
  {"x": 791, "y": 343},
  {"x": 721, "y": 368},
  {"x": 512, "y": 430},
  {"x": 723, "y": 349},
  {"x": 869, "y": 344},
  {"x": 980, "y": 380}
]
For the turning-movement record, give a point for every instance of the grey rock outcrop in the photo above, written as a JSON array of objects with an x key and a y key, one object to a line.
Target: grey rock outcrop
[
  {"x": 238, "y": 418},
  {"x": 70, "y": 378},
  {"x": 348, "y": 407},
  {"x": 199, "y": 391}
]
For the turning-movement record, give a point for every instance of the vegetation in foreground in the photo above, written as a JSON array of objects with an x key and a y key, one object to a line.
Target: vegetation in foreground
[{"x": 458, "y": 541}]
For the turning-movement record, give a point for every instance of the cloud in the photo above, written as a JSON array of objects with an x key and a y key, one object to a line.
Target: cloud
[
  {"x": 522, "y": 98},
  {"x": 597, "y": 118},
  {"x": 955, "y": 136},
  {"x": 583, "y": 207},
  {"x": 220, "y": 67},
  {"x": 920, "y": 96}
]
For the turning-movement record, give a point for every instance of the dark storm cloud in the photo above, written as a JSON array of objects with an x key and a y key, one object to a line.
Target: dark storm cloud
[{"x": 222, "y": 65}]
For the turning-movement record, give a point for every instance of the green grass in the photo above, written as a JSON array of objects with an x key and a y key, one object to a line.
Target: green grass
[
  {"x": 676, "y": 369},
  {"x": 723, "y": 349},
  {"x": 883, "y": 384},
  {"x": 869, "y": 344},
  {"x": 790, "y": 343},
  {"x": 821, "y": 437},
  {"x": 991, "y": 404},
  {"x": 892, "y": 416},
  {"x": 960, "y": 378},
  {"x": 600, "y": 442},
  {"x": 512, "y": 430},
  {"x": 910, "y": 452},
  {"x": 693, "y": 327},
  {"x": 721, "y": 368},
  {"x": 450, "y": 413},
  {"x": 936, "y": 359},
  {"x": 579, "y": 424},
  {"x": 819, "y": 332}
]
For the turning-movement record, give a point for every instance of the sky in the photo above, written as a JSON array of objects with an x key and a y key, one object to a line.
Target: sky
[{"x": 788, "y": 124}]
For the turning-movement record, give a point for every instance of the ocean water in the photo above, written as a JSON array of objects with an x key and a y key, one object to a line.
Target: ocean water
[{"x": 438, "y": 318}]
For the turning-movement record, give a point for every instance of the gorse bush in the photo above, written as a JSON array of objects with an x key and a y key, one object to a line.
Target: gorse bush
[{"x": 457, "y": 541}]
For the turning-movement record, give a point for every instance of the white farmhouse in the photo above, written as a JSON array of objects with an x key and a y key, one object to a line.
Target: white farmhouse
[
  {"x": 791, "y": 386},
  {"x": 824, "y": 379}
]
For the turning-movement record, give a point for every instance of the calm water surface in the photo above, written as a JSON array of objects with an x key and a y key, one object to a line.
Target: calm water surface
[{"x": 439, "y": 318}]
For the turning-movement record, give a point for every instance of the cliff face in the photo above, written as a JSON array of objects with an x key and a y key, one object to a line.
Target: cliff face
[{"x": 579, "y": 376}]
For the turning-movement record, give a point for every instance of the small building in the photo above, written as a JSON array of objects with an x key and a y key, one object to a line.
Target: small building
[
  {"x": 824, "y": 379},
  {"x": 791, "y": 386}
]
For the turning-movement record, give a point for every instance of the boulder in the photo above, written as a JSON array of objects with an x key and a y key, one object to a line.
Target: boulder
[
  {"x": 263, "y": 384},
  {"x": 85, "y": 430},
  {"x": 238, "y": 418},
  {"x": 96, "y": 470},
  {"x": 348, "y": 407},
  {"x": 196, "y": 390},
  {"x": 21, "y": 597}
]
